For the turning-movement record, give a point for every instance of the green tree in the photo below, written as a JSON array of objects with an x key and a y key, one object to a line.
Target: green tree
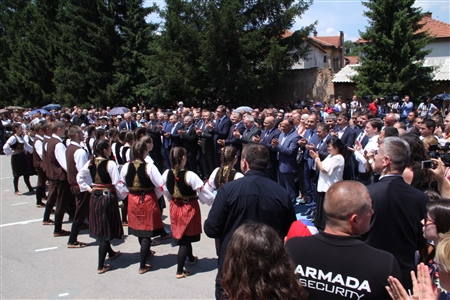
[
  {"x": 393, "y": 57},
  {"x": 131, "y": 73},
  {"x": 85, "y": 61},
  {"x": 227, "y": 51},
  {"x": 351, "y": 49}
]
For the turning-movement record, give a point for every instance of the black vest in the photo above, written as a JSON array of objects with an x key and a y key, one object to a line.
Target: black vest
[
  {"x": 137, "y": 178},
  {"x": 179, "y": 188},
  {"x": 99, "y": 171}
]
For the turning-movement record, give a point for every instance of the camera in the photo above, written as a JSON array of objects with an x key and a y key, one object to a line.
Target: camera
[{"x": 438, "y": 151}]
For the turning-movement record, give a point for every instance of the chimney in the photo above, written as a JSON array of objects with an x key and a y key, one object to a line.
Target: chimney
[
  {"x": 315, "y": 33},
  {"x": 428, "y": 15}
]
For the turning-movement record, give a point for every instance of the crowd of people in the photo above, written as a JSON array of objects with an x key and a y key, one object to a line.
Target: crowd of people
[{"x": 360, "y": 170}]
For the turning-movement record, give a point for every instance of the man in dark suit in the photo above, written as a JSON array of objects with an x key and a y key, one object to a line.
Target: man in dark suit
[
  {"x": 398, "y": 208},
  {"x": 207, "y": 144},
  {"x": 309, "y": 142},
  {"x": 219, "y": 131},
  {"x": 127, "y": 123},
  {"x": 267, "y": 135},
  {"x": 360, "y": 132},
  {"x": 173, "y": 135},
  {"x": 154, "y": 130},
  {"x": 344, "y": 131},
  {"x": 166, "y": 141},
  {"x": 287, "y": 147},
  {"x": 253, "y": 198},
  {"x": 251, "y": 130},
  {"x": 236, "y": 120},
  {"x": 321, "y": 147},
  {"x": 189, "y": 138}
]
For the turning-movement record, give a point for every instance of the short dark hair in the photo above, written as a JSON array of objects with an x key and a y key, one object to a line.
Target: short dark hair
[
  {"x": 390, "y": 131},
  {"x": 257, "y": 156},
  {"x": 429, "y": 123}
]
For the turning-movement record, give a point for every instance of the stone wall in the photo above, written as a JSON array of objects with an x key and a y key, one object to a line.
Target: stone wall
[{"x": 306, "y": 84}]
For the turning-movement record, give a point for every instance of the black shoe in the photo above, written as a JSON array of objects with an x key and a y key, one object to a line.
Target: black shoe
[{"x": 308, "y": 212}]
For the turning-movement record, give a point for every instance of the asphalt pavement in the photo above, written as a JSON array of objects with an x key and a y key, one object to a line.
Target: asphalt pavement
[{"x": 36, "y": 265}]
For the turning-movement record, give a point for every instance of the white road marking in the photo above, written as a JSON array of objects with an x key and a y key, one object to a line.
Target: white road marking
[
  {"x": 7, "y": 190},
  {"x": 21, "y": 203},
  {"x": 5, "y": 178},
  {"x": 45, "y": 249},
  {"x": 20, "y": 223},
  {"x": 63, "y": 294}
]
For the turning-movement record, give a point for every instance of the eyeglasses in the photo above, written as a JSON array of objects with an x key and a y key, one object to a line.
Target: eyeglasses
[{"x": 427, "y": 221}]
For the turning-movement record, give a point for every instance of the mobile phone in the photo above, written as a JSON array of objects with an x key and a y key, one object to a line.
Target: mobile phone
[{"x": 426, "y": 164}]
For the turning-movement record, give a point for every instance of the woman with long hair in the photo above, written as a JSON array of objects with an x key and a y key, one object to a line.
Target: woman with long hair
[
  {"x": 16, "y": 147},
  {"x": 142, "y": 183},
  {"x": 99, "y": 176},
  {"x": 331, "y": 171},
  {"x": 185, "y": 188},
  {"x": 413, "y": 174},
  {"x": 257, "y": 266},
  {"x": 225, "y": 172}
]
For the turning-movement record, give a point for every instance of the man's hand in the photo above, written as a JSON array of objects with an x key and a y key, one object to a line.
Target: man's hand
[
  {"x": 275, "y": 142},
  {"x": 221, "y": 142}
]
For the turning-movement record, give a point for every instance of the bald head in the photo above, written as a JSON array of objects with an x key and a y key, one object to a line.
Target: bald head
[
  {"x": 269, "y": 123},
  {"x": 346, "y": 201}
]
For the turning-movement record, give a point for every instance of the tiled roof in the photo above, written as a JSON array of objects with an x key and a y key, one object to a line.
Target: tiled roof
[
  {"x": 327, "y": 41},
  {"x": 441, "y": 70},
  {"x": 352, "y": 59},
  {"x": 436, "y": 28}
]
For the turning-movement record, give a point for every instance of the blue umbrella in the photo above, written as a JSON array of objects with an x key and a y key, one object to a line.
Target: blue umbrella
[
  {"x": 443, "y": 96},
  {"x": 52, "y": 106},
  {"x": 244, "y": 108},
  {"x": 118, "y": 111},
  {"x": 42, "y": 111}
]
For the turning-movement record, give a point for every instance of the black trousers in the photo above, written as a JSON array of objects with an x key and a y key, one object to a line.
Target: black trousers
[{"x": 81, "y": 211}]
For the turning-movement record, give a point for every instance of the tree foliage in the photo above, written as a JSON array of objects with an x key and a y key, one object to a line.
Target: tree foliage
[
  {"x": 227, "y": 51},
  {"x": 393, "y": 57}
]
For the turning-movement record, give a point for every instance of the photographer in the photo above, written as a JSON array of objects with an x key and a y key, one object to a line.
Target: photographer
[
  {"x": 406, "y": 108},
  {"x": 427, "y": 109}
]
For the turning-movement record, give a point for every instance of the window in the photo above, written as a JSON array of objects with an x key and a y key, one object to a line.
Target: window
[
  {"x": 336, "y": 64},
  {"x": 325, "y": 59}
]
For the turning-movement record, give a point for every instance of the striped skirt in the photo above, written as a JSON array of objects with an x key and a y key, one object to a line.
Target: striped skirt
[
  {"x": 104, "y": 217},
  {"x": 185, "y": 221},
  {"x": 144, "y": 215}
]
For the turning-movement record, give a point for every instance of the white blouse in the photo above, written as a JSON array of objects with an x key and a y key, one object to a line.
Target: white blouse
[
  {"x": 12, "y": 141},
  {"x": 204, "y": 195},
  {"x": 153, "y": 174},
  {"x": 84, "y": 175},
  {"x": 211, "y": 185},
  {"x": 334, "y": 166}
]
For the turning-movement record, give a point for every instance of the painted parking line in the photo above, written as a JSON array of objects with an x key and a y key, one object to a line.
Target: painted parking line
[
  {"x": 21, "y": 203},
  {"x": 45, "y": 249},
  {"x": 63, "y": 294},
  {"x": 21, "y": 223}
]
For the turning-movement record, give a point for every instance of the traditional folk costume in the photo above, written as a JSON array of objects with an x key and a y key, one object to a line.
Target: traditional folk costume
[
  {"x": 104, "y": 218},
  {"x": 185, "y": 218},
  {"x": 19, "y": 163},
  {"x": 143, "y": 184}
]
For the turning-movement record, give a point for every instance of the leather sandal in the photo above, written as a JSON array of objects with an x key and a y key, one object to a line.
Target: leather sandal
[
  {"x": 145, "y": 269},
  {"x": 77, "y": 244},
  {"x": 151, "y": 254},
  {"x": 61, "y": 233},
  {"x": 105, "y": 268},
  {"x": 184, "y": 274},
  {"x": 48, "y": 222}
]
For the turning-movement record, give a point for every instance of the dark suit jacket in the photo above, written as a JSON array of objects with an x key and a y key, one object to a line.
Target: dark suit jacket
[
  {"x": 312, "y": 138},
  {"x": 190, "y": 141},
  {"x": 266, "y": 139},
  {"x": 207, "y": 139},
  {"x": 251, "y": 198},
  {"x": 155, "y": 134},
  {"x": 175, "y": 137},
  {"x": 247, "y": 136},
  {"x": 348, "y": 137},
  {"x": 323, "y": 151},
  {"x": 287, "y": 152},
  {"x": 123, "y": 125},
  {"x": 396, "y": 223},
  {"x": 231, "y": 140},
  {"x": 220, "y": 131},
  {"x": 364, "y": 140}
]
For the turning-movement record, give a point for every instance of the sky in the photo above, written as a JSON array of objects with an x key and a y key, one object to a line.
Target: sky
[{"x": 343, "y": 15}]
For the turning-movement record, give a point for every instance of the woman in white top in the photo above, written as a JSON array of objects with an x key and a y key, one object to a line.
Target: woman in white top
[
  {"x": 225, "y": 172},
  {"x": 331, "y": 171},
  {"x": 186, "y": 188},
  {"x": 16, "y": 147}
]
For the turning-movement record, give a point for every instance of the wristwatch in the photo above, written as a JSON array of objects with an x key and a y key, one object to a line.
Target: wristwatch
[{"x": 370, "y": 161}]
